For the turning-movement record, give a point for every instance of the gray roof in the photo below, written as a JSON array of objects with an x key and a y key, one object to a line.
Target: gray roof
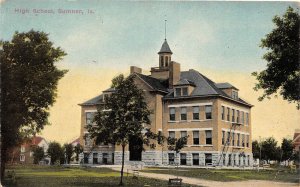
[
  {"x": 182, "y": 82},
  {"x": 110, "y": 90},
  {"x": 156, "y": 84},
  {"x": 165, "y": 48},
  {"x": 225, "y": 85},
  {"x": 94, "y": 101},
  {"x": 203, "y": 87}
]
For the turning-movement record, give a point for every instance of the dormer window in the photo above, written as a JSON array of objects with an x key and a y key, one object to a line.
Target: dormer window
[
  {"x": 183, "y": 91},
  {"x": 235, "y": 94}
]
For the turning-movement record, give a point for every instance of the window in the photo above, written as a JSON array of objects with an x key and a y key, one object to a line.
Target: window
[
  {"x": 172, "y": 114},
  {"x": 208, "y": 110},
  {"x": 228, "y": 114},
  {"x": 223, "y": 113},
  {"x": 234, "y": 94},
  {"x": 89, "y": 117},
  {"x": 238, "y": 116},
  {"x": 247, "y": 119},
  {"x": 238, "y": 139},
  {"x": 247, "y": 141},
  {"x": 223, "y": 137},
  {"x": 196, "y": 113},
  {"x": 95, "y": 158},
  {"x": 183, "y": 114},
  {"x": 86, "y": 140},
  {"x": 183, "y": 134},
  {"x": 171, "y": 158},
  {"x": 208, "y": 137},
  {"x": 185, "y": 91},
  {"x": 233, "y": 139},
  {"x": 242, "y": 118},
  {"x": 195, "y": 159},
  {"x": 228, "y": 138},
  {"x": 208, "y": 159},
  {"x": 105, "y": 158},
  {"x": 234, "y": 162},
  {"x": 161, "y": 61},
  {"x": 182, "y": 158},
  {"x": 224, "y": 159},
  {"x": 22, "y": 158},
  {"x": 243, "y": 140},
  {"x": 248, "y": 160},
  {"x": 196, "y": 137},
  {"x": 178, "y": 92},
  {"x": 22, "y": 149},
  {"x": 229, "y": 160},
  {"x": 172, "y": 134},
  {"x": 166, "y": 60},
  {"x": 233, "y": 117}
]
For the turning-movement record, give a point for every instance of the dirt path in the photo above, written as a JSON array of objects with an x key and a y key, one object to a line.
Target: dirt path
[{"x": 208, "y": 183}]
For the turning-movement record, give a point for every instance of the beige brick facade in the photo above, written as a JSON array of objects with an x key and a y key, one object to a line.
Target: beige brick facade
[{"x": 211, "y": 120}]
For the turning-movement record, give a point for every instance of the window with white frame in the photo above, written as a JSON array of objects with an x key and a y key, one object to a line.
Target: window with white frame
[
  {"x": 243, "y": 140},
  {"x": 22, "y": 158},
  {"x": 183, "y": 134},
  {"x": 242, "y": 118},
  {"x": 233, "y": 116},
  {"x": 196, "y": 111},
  {"x": 172, "y": 114},
  {"x": 89, "y": 117},
  {"x": 208, "y": 112},
  {"x": 234, "y": 94},
  {"x": 208, "y": 138},
  {"x": 184, "y": 91},
  {"x": 172, "y": 134},
  {"x": 195, "y": 158},
  {"x": 183, "y": 115},
  {"x": 22, "y": 149},
  {"x": 196, "y": 137},
  {"x": 247, "y": 118},
  {"x": 238, "y": 139},
  {"x": 228, "y": 114},
  {"x": 238, "y": 116},
  {"x": 177, "y": 92}
]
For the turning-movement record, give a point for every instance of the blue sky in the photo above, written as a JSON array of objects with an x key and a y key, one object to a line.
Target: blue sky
[
  {"x": 219, "y": 39},
  {"x": 215, "y": 35}
]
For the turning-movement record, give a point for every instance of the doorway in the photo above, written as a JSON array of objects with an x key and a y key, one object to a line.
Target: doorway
[{"x": 135, "y": 148}]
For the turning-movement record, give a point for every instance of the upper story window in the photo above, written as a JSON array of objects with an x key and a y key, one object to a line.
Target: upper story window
[
  {"x": 172, "y": 134},
  {"x": 238, "y": 139},
  {"x": 183, "y": 91},
  {"x": 235, "y": 95},
  {"x": 243, "y": 140},
  {"x": 172, "y": 114},
  {"x": 238, "y": 116},
  {"x": 183, "y": 115},
  {"x": 228, "y": 138},
  {"x": 208, "y": 138},
  {"x": 89, "y": 117},
  {"x": 233, "y": 116},
  {"x": 22, "y": 149},
  {"x": 242, "y": 117},
  {"x": 161, "y": 61},
  {"x": 247, "y": 141},
  {"x": 196, "y": 137},
  {"x": 208, "y": 112},
  {"x": 223, "y": 137},
  {"x": 233, "y": 139},
  {"x": 196, "y": 111},
  {"x": 223, "y": 113},
  {"x": 183, "y": 134},
  {"x": 228, "y": 114},
  {"x": 247, "y": 118}
]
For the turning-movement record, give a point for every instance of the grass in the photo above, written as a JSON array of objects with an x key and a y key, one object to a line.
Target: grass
[
  {"x": 229, "y": 175},
  {"x": 56, "y": 176}
]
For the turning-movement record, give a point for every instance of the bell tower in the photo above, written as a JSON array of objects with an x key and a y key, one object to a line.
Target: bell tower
[{"x": 165, "y": 54}]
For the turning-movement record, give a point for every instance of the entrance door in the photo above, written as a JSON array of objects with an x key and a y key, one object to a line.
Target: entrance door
[{"x": 135, "y": 149}]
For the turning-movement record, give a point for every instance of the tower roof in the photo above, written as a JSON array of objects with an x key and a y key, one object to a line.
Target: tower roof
[{"x": 165, "y": 48}]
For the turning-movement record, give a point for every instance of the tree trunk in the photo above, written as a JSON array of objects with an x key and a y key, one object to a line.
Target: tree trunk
[
  {"x": 3, "y": 160},
  {"x": 123, "y": 155}
]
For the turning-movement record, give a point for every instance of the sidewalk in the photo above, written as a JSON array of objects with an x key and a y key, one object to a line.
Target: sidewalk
[{"x": 208, "y": 183}]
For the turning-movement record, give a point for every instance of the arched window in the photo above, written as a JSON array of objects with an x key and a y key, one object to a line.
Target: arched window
[{"x": 161, "y": 61}]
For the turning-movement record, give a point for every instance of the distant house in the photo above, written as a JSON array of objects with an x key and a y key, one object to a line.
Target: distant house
[
  {"x": 296, "y": 140},
  {"x": 26, "y": 149}
]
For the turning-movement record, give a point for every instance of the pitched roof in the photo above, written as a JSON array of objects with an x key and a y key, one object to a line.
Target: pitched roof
[
  {"x": 165, "y": 48},
  {"x": 155, "y": 84},
  {"x": 110, "y": 90},
  {"x": 225, "y": 85},
  {"x": 33, "y": 141},
  {"x": 94, "y": 101},
  {"x": 182, "y": 82}
]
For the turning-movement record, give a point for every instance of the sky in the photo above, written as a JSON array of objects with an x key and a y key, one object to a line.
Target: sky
[{"x": 219, "y": 39}]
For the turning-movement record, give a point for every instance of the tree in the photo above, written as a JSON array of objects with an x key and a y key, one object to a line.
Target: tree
[
  {"x": 283, "y": 70},
  {"x": 77, "y": 150},
  {"x": 287, "y": 149},
  {"x": 256, "y": 149},
  {"x": 56, "y": 153},
  {"x": 68, "y": 152},
  {"x": 269, "y": 150},
  {"x": 122, "y": 117},
  {"x": 38, "y": 154},
  {"x": 29, "y": 79}
]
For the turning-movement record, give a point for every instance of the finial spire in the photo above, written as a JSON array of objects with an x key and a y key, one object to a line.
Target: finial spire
[{"x": 165, "y": 29}]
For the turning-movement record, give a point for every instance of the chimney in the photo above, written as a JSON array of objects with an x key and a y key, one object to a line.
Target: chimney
[
  {"x": 134, "y": 69},
  {"x": 174, "y": 73}
]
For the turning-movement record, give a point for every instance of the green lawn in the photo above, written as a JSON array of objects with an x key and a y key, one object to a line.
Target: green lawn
[
  {"x": 229, "y": 175},
  {"x": 55, "y": 176}
]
